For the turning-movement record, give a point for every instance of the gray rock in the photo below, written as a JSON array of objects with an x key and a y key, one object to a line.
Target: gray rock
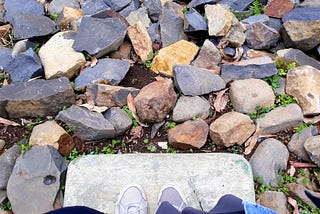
[
  {"x": 220, "y": 19},
  {"x": 275, "y": 23},
  {"x": 254, "y": 68},
  {"x": 199, "y": 3},
  {"x": 208, "y": 57},
  {"x": 229, "y": 51},
  {"x": 14, "y": 7},
  {"x": 117, "y": 5},
  {"x": 24, "y": 67},
  {"x": 239, "y": 5},
  {"x": 274, "y": 200},
  {"x": 296, "y": 144},
  {"x": 56, "y": 6},
  {"x": 5, "y": 57},
  {"x": 134, "y": 5},
  {"x": 194, "y": 81},
  {"x": 139, "y": 15},
  {"x": 92, "y": 7},
  {"x": 154, "y": 32},
  {"x": 312, "y": 146},
  {"x": 119, "y": 119},
  {"x": 154, "y": 8},
  {"x": 270, "y": 157},
  {"x": 7, "y": 161},
  {"x": 254, "y": 19},
  {"x": 28, "y": 26},
  {"x": 298, "y": 191},
  {"x": 35, "y": 98},
  {"x": 3, "y": 196},
  {"x": 302, "y": 14},
  {"x": 309, "y": 3},
  {"x": 188, "y": 107},
  {"x": 36, "y": 175},
  {"x": 113, "y": 70},
  {"x": 108, "y": 36},
  {"x": 88, "y": 125},
  {"x": 281, "y": 118},
  {"x": 3, "y": 19},
  {"x": 194, "y": 21},
  {"x": 22, "y": 46}
]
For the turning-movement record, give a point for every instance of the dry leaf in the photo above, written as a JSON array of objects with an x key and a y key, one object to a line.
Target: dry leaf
[
  {"x": 93, "y": 62},
  {"x": 221, "y": 101},
  {"x": 251, "y": 142},
  {"x": 8, "y": 122},
  {"x": 99, "y": 109},
  {"x": 302, "y": 165},
  {"x": 291, "y": 171},
  {"x": 294, "y": 204}
]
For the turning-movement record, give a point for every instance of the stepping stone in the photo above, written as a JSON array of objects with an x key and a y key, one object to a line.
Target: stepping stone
[{"x": 204, "y": 177}]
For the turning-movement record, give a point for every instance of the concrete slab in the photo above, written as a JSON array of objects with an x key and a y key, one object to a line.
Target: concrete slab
[{"x": 95, "y": 181}]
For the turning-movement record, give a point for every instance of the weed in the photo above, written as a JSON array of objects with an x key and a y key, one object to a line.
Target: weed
[
  {"x": 171, "y": 125},
  {"x": 171, "y": 150},
  {"x": 303, "y": 126},
  {"x": 236, "y": 149},
  {"x": 184, "y": 10},
  {"x": 6, "y": 206},
  {"x": 107, "y": 150},
  {"x": 74, "y": 154},
  {"x": 24, "y": 147},
  {"x": 273, "y": 81},
  {"x": 260, "y": 112},
  {"x": 146, "y": 141},
  {"x": 37, "y": 47},
  {"x": 195, "y": 117},
  {"x": 71, "y": 129},
  {"x": 130, "y": 114},
  {"x": 256, "y": 7},
  {"x": 54, "y": 17},
  {"x": 284, "y": 66},
  {"x": 284, "y": 99},
  {"x": 152, "y": 148},
  {"x": 148, "y": 62}
]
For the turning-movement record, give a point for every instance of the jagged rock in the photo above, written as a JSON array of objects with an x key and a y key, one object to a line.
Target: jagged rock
[
  {"x": 117, "y": 5},
  {"x": 209, "y": 56},
  {"x": 154, "y": 32},
  {"x": 252, "y": 54},
  {"x": 198, "y": 3},
  {"x": 281, "y": 118},
  {"x": 254, "y": 19},
  {"x": 88, "y": 125},
  {"x": 171, "y": 24},
  {"x": 274, "y": 200},
  {"x": 296, "y": 144},
  {"x": 270, "y": 157},
  {"x": 231, "y": 128},
  {"x": 312, "y": 147},
  {"x": 124, "y": 51},
  {"x": 21, "y": 46},
  {"x": 194, "y": 21},
  {"x": 305, "y": 178},
  {"x": 190, "y": 134},
  {"x": 7, "y": 161},
  {"x": 154, "y": 8},
  {"x": 238, "y": 5},
  {"x": 134, "y": 5},
  {"x": 155, "y": 100},
  {"x": 309, "y": 3},
  {"x": 5, "y": 57},
  {"x": 181, "y": 52},
  {"x": 69, "y": 15},
  {"x": 247, "y": 94},
  {"x": 298, "y": 191},
  {"x": 190, "y": 107},
  {"x": 119, "y": 119},
  {"x": 27, "y": 25},
  {"x": 254, "y": 68},
  {"x": 108, "y": 35},
  {"x": 92, "y": 7},
  {"x": 53, "y": 55},
  {"x": 56, "y": 6},
  {"x": 112, "y": 70},
  {"x": 14, "y": 7},
  {"x": 36, "y": 98},
  {"x": 277, "y": 8},
  {"x": 140, "y": 15},
  {"x": 303, "y": 83},
  {"x": 194, "y": 81},
  {"x": 275, "y": 23},
  {"x": 219, "y": 19},
  {"x": 36, "y": 175}
]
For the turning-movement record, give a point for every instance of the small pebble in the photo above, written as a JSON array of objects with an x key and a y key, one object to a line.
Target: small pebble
[{"x": 2, "y": 143}]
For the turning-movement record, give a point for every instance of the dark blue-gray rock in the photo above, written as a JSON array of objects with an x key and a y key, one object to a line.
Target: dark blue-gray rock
[
  {"x": 56, "y": 6},
  {"x": 194, "y": 21},
  {"x": 238, "y": 5},
  {"x": 7, "y": 161},
  {"x": 24, "y": 67},
  {"x": 154, "y": 8},
  {"x": 22, "y": 46},
  {"x": 35, "y": 98},
  {"x": 259, "y": 18},
  {"x": 108, "y": 35},
  {"x": 171, "y": 24},
  {"x": 302, "y": 14},
  {"x": 229, "y": 51},
  {"x": 29, "y": 25},
  {"x": 199, "y": 3},
  {"x": 117, "y": 5},
  {"x": 270, "y": 157},
  {"x": 154, "y": 32},
  {"x": 5, "y": 56},
  {"x": 254, "y": 68},
  {"x": 275, "y": 23},
  {"x": 191, "y": 80},
  {"x": 113, "y": 70},
  {"x": 88, "y": 125},
  {"x": 14, "y": 7},
  {"x": 36, "y": 175},
  {"x": 119, "y": 119},
  {"x": 3, "y": 196},
  {"x": 3, "y": 19},
  {"x": 134, "y": 5},
  {"x": 91, "y": 7}
]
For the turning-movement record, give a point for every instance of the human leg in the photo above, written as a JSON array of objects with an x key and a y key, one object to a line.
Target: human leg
[
  {"x": 228, "y": 204},
  {"x": 74, "y": 209}
]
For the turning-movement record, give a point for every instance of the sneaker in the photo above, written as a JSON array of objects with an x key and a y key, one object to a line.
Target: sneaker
[
  {"x": 173, "y": 196},
  {"x": 132, "y": 200}
]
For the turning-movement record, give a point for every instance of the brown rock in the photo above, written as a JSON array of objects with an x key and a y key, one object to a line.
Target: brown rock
[
  {"x": 69, "y": 15},
  {"x": 274, "y": 200},
  {"x": 277, "y": 8},
  {"x": 155, "y": 100},
  {"x": 141, "y": 40},
  {"x": 231, "y": 128},
  {"x": 181, "y": 52},
  {"x": 298, "y": 191},
  {"x": 190, "y": 134},
  {"x": 123, "y": 52}
]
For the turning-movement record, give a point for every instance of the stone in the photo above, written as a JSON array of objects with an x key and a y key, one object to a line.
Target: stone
[
  {"x": 5, "y": 31},
  {"x": 305, "y": 179},
  {"x": 206, "y": 172},
  {"x": 312, "y": 147},
  {"x": 36, "y": 175},
  {"x": 133, "y": 6},
  {"x": 187, "y": 108},
  {"x": 260, "y": 36},
  {"x": 28, "y": 25},
  {"x": 140, "y": 40},
  {"x": 274, "y": 200},
  {"x": 231, "y": 128},
  {"x": 270, "y": 157},
  {"x": 24, "y": 67},
  {"x": 296, "y": 144},
  {"x": 246, "y": 95},
  {"x": 253, "y": 68},
  {"x": 303, "y": 83},
  {"x": 117, "y": 5},
  {"x": 56, "y": 6},
  {"x": 154, "y": 8},
  {"x": 140, "y": 15},
  {"x": 5, "y": 57},
  {"x": 194, "y": 81},
  {"x": 154, "y": 32},
  {"x": 112, "y": 70},
  {"x": 194, "y": 21},
  {"x": 171, "y": 24},
  {"x": 14, "y": 7},
  {"x": 92, "y": 7},
  {"x": 298, "y": 191},
  {"x": 69, "y": 15},
  {"x": 88, "y": 125},
  {"x": 2, "y": 144},
  {"x": 281, "y": 118},
  {"x": 275, "y": 23},
  {"x": 109, "y": 95},
  {"x": 55, "y": 51},
  {"x": 254, "y": 19},
  {"x": 302, "y": 14},
  {"x": 7, "y": 161},
  {"x": 155, "y": 100},
  {"x": 236, "y": 36},
  {"x": 35, "y": 98},
  {"x": 119, "y": 119},
  {"x": 22, "y": 46},
  {"x": 108, "y": 36},
  {"x": 190, "y": 134},
  {"x": 238, "y": 5},
  {"x": 124, "y": 51},
  {"x": 277, "y": 8},
  {"x": 309, "y": 3},
  {"x": 199, "y": 3},
  {"x": 209, "y": 56},
  {"x": 181, "y": 52},
  {"x": 219, "y": 19}
]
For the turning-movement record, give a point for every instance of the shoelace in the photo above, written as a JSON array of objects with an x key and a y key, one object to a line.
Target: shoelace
[{"x": 133, "y": 208}]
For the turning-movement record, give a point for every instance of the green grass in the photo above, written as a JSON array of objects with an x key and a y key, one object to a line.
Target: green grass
[
  {"x": 148, "y": 62},
  {"x": 256, "y": 7},
  {"x": 130, "y": 114},
  {"x": 260, "y": 112}
]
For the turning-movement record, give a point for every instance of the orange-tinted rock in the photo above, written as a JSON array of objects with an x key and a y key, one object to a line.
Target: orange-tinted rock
[
  {"x": 277, "y": 8},
  {"x": 69, "y": 15}
]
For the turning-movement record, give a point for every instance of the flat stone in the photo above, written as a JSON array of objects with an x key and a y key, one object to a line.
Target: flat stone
[
  {"x": 53, "y": 55},
  {"x": 302, "y": 14},
  {"x": 5, "y": 57},
  {"x": 194, "y": 81},
  {"x": 56, "y": 6},
  {"x": 259, "y": 18},
  {"x": 199, "y": 3},
  {"x": 113, "y": 70},
  {"x": 154, "y": 32},
  {"x": 281, "y": 118},
  {"x": 133, "y": 6},
  {"x": 206, "y": 181},
  {"x": 312, "y": 147},
  {"x": 69, "y": 15},
  {"x": 92, "y": 7},
  {"x": 277, "y": 8},
  {"x": 7, "y": 161},
  {"x": 194, "y": 21},
  {"x": 140, "y": 15},
  {"x": 117, "y": 5},
  {"x": 219, "y": 19},
  {"x": 108, "y": 36},
  {"x": 119, "y": 119},
  {"x": 35, "y": 98},
  {"x": 209, "y": 56},
  {"x": 274, "y": 200},
  {"x": 182, "y": 52},
  {"x": 154, "y": 8},
  {"x": 238, "y": 5},
  {"x": 309, "y": 3},
  {"x": 275, "y": 23},
  {"x": 14, "y": 7}
]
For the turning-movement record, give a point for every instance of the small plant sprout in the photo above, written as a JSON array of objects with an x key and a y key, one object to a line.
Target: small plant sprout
[
  {"x": 130, "y": 114},
  {"x": 171, "y": 125},
  {"x": 54, "y": 17},
  {"x": 148, "y": 62},
  {"x": 256, "y": 7},
  {"x": 152, "y": 148},
  {"x": 145, "y": 141},
  {"x": 24, "y": 147}
]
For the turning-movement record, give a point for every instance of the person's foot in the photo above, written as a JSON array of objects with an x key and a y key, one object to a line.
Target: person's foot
[
  {"x": 173, "y": 196},
  {"x": 132, "y": 200}
]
